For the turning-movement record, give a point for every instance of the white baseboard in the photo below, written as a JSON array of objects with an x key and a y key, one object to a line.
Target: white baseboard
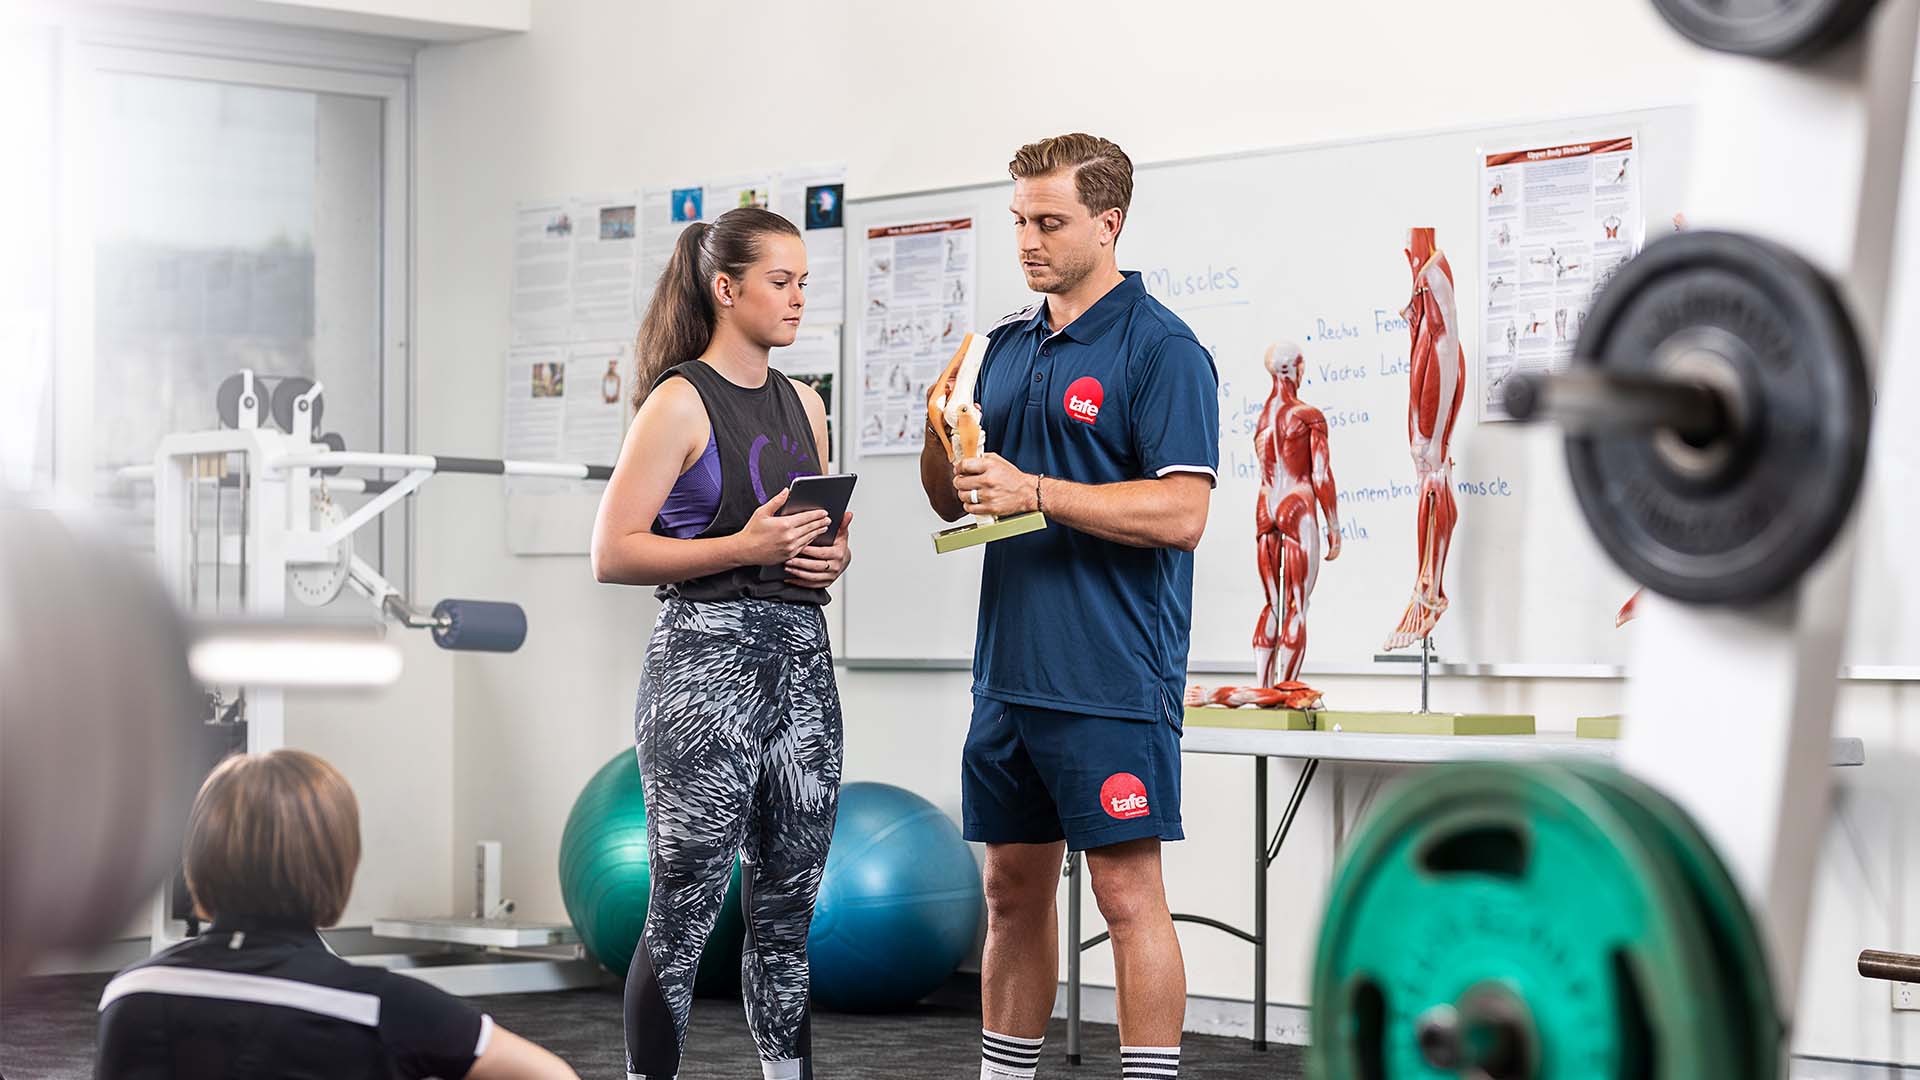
[
  {"x": 117, "y": 954},
  {"x": 1819, "y": 1068},
  {"x": 1229, "y": 1017}
]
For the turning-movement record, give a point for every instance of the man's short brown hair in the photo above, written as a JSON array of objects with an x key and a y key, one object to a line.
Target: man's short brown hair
[
  {"x": 273, "y": 836},
  {"x": 1103, "y": 173}
]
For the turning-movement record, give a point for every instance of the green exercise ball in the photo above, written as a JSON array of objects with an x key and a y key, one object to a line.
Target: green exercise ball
[{"x": 604, "y": 880}]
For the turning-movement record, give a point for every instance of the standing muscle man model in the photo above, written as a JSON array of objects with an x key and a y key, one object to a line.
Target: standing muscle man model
[{"x": 1296, "y": 487}]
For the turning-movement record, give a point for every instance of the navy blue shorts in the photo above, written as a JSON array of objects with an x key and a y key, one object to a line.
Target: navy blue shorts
[{"x": 1034, "y": 776}]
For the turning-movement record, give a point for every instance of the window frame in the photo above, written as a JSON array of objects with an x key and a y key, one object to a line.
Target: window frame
[{"x": 89, "y": 46}]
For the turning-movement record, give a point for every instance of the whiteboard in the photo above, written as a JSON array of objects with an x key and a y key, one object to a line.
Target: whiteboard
[{"x": 1305, "y": 244}]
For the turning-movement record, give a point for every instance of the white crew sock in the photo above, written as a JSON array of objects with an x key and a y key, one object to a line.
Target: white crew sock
[
  {"x": 1149, "y": 1062},
  {"x": 1008, "y": 1057}
]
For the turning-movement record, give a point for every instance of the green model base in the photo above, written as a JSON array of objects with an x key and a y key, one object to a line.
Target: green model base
[
  {"x": 1255, "y": 719},
  {"x": 1390, "y": 723},
  {"x": 967, "y": 536},
  {"x": 1416, "y": 723},
  {"x": 1597, "y": 727}
]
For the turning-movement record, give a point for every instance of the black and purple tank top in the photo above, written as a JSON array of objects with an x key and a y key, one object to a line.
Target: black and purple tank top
[{"x": 761, "y": 441}]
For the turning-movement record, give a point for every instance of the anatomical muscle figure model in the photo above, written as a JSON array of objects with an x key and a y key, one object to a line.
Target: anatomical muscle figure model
[
  {"x": 951, "y": 410},
  {"x": 1296, "y": 486},
  {"x": 1439, "y": 370}
]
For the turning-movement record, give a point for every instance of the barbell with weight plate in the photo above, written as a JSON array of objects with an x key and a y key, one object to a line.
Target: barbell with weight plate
[
  {"x": 1546, "y": 921},
  {"x": 1717, "y": 417}
]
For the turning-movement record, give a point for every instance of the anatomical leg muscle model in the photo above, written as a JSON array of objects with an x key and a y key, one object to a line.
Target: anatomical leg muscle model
[
  {"x": 1296, "y": 486},
  {"x": 1439, "y": 370}
]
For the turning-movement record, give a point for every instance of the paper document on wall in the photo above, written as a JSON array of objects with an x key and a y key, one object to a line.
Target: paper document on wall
[
  {"x": 565, "y": 403},
  {"x": 919, "y": 307},
  {"x": 814, "y": 359},
  {"x": 575, "y": 269},
  {"x": 535, "y": 413},
  {"x": 665, "y": 212},
  {"x": 598, "y": 377},
  {"x": 1556, "y": 223},
  {"x": 606, "y": 269},
  {"x": 814, "y": 199},
  {"x": 542, "y": 272}
]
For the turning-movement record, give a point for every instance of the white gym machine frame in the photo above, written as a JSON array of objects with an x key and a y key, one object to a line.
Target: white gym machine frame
[
  {"x": 277, "y": 477},
  {"x": 1808, "y": 155}
]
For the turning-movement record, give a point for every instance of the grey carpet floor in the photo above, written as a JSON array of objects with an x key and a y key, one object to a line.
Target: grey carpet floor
[{"x": 47, "y": 1031}]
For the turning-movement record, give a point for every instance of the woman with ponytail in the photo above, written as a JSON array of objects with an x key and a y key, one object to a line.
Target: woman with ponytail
[{"x": 737, "y": 726}]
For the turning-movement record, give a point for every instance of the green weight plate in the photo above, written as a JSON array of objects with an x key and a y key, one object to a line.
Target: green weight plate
[
  {"x": 1732, "y": 933},
  {"x": 1521, "y": 914}
]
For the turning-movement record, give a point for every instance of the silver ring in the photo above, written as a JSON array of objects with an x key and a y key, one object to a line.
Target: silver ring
[{"x": 976, "y": 496}]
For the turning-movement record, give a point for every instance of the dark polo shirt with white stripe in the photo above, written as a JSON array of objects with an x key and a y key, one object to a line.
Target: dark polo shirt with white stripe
[{"x": 251, "y": 999}]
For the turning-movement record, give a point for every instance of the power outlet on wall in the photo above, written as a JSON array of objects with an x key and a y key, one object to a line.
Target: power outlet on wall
[{"x": 1906, "y": 997}]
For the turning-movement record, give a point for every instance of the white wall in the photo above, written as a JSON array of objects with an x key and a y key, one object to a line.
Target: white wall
[
  {"x": 392, "y": 747},
  {"x": 604, "y": 94}
]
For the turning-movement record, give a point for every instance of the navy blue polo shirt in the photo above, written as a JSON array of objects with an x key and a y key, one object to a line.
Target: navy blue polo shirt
[{"x": 1069, "y": 621}]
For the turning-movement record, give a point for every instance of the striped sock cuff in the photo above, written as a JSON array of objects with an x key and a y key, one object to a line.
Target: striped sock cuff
[
  {"x": 1149, "y": 1062},
  {"x": 1008, "y": 1057}
]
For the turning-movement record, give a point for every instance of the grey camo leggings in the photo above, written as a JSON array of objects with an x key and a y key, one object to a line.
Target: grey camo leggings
[{"x": 737, "y": 729}]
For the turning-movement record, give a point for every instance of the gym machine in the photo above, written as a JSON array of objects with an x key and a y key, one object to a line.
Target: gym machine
[
  {"x": 293, "y": 538},
  {"x": 1560, "y": 921}
]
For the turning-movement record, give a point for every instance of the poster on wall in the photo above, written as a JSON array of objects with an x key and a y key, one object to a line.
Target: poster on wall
[
  {"x": 565, "y": 403},
  {"x": 542, "y": 271},
  {"x": 606, "y": 265},
  {"x": 814, "y": 359},
  {"x": 813, "y": 197},
  {"x": 919, "y": 307},
  {"x": 574, "y": 266},
  {"x": 665, "y": 212},
  {"x": 815, "y": 200},
  {"x": 1555, "y": 223}
]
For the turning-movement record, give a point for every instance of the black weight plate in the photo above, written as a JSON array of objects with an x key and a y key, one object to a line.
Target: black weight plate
[
  {"x": 227, "y": 401},
  {"x": 1746, "y": 530},
  {"x": 286, "y": 398},
  {"x": 1770, "y": 29}
]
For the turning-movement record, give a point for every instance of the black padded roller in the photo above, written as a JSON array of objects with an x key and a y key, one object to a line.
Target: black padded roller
[{"x": 480, "y": 625}]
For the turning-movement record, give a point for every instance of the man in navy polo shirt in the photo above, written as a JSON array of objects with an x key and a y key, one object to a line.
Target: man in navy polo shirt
[{"x": 1101, "y": 409}]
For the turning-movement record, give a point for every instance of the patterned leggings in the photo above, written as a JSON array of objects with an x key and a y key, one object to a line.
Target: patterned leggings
[{"x": 737, "y": 729}]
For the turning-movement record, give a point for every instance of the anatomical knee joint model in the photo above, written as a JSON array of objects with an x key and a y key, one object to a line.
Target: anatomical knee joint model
[{"x": 951, "y": 410}]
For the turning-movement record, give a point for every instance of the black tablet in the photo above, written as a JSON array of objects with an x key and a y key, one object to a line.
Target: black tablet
[{"x": 829, "y": 493}]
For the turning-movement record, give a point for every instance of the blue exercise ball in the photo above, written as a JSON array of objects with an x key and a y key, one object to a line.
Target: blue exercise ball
[
  {"x": 605, "y": 881},
  {"x": 900, "y": 902}
]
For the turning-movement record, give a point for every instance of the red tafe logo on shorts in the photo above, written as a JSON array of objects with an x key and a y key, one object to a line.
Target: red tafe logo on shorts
[
  {"x": 1123, "y": 796},
  {"x": 1083, "y": 399}
]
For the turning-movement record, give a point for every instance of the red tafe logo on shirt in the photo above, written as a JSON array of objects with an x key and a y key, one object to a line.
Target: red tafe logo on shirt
[
  {"x": 1123, "y": 796},
  {"x": 1083, "y": 399}
]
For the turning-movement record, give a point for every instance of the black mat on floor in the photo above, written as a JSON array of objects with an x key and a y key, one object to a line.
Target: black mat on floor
[{"x": 47, "y": 1031}]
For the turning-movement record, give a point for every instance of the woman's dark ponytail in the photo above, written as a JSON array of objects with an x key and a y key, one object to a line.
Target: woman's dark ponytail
[{"x": 680, "y": 317}]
